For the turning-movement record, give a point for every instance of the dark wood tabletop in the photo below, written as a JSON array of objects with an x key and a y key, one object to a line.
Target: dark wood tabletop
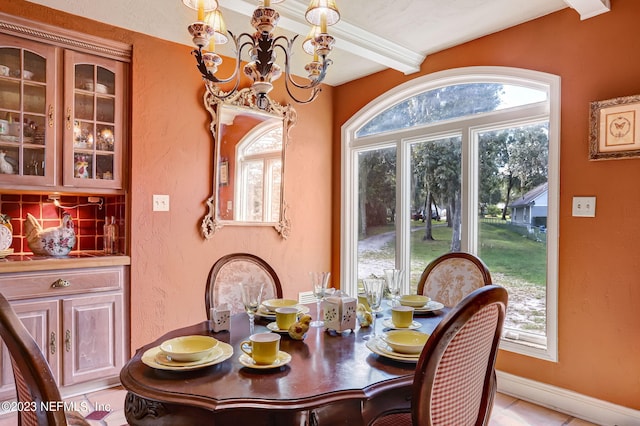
[{"x": 331, "y": 379}]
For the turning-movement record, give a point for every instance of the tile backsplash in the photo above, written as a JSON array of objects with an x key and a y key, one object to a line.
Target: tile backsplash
[{"x": 88, "y": 219}]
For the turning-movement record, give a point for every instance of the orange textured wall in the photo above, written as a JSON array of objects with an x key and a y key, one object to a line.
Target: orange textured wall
[
  {"x": 599, "y": 290},
  {"x": 172, "y": 154}
]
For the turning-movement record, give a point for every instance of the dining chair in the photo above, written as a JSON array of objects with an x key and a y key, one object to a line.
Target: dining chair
[
  {"x": 229, "y": 271},
  {"x": 450, "y": 277},
  {"x": 35, "y": 386},
  {"x": 454, "y": 381}
]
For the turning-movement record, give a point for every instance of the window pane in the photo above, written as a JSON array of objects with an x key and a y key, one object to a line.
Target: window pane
[
  {"x": 450, "y": 102},
  {"x": 254, "y": 175},
  {"x": 274, "y": 193},
  {"x": 376, "y": 211},
  {"x": 513, "y": 194},
  {"x": 435, "y": 202}
]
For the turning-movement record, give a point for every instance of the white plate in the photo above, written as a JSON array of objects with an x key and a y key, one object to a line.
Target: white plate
[
  {"x": 273, "y": 326},
  {"x": 149, "y": 358},
  {"x": 374, "y": 346},
  {"x": 431, "y": 306},
  {"x": 282, "y": 359},
  {"x": 389, "y": 324},
  {"x": 265, "y": 313}
]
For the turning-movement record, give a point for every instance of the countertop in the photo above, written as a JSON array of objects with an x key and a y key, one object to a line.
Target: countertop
[{"x": 30, "y": 262}]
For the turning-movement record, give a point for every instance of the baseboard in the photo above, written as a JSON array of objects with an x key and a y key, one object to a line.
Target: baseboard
[{"x": 569, "y": 402}]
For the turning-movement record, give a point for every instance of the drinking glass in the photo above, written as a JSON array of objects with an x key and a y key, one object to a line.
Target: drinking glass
[
  {"x": 251, "y": 298},
  {"x": 373, "y": 290},
  {"x": 394, "y": 282},
  {"x": 320, "y": 282}
]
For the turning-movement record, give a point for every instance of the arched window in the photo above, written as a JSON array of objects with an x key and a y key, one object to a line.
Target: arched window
[
  {"x": 461, "y": 160},
  {"x": 259, "y": 171}
]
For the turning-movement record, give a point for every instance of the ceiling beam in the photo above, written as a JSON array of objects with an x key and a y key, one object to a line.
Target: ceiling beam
[
  {"x": 349, "y": 37},
  {"x": 589, "y": 8}
]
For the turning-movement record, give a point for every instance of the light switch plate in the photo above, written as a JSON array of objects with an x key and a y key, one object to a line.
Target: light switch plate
[
  {"x": 584, "y": 206},
  {"x": 160, "y": 203}
]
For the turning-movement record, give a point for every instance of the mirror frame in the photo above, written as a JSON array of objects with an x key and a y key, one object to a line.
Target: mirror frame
[{"x": 244, "y": 99}]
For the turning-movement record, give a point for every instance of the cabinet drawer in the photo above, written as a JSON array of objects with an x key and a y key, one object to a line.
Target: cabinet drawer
[{"x": 55, "y": 283}]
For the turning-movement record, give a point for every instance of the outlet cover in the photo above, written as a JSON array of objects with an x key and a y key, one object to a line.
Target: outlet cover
[
  {"x": 160, "y": 203},
  {"x": 584, "y": 206}
]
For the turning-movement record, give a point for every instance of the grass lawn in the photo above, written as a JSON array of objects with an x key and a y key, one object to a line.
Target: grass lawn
[{"x": 503, "y": 250}]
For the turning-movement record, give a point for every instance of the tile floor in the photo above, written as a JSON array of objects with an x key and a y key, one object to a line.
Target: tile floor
[{"x": 105, "y": 408}]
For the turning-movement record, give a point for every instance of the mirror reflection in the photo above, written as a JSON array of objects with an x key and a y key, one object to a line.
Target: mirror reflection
[{"x": 249, "y": 154}]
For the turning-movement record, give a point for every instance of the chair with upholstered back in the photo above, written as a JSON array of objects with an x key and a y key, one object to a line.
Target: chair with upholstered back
[
  {"x": 454, "y": 382},
  {"x": 229, "y": 271},
  {"x": 450, "y": 277},
  {"x": 35, "y": 385}
]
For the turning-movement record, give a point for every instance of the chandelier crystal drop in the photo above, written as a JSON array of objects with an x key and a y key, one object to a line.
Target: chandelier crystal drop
[{"x": 261, "y": 49}]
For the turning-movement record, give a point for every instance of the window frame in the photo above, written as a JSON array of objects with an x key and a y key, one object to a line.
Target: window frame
[{"x": 468, "y": 127}]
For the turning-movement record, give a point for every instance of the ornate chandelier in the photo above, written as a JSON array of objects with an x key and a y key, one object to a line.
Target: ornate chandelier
[{"x": 260, "y": 47}]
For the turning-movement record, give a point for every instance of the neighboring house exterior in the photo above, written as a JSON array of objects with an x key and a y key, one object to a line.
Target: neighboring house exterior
[{"x": 531, "y": 208}]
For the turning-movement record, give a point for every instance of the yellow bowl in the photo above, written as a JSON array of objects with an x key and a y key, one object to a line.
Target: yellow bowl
[
  {"x": 405, "y": 341},
  {"x": 188, "y": 348},
  {"x": 273, "y": 304},
  {"x": 414, "y": 300}
]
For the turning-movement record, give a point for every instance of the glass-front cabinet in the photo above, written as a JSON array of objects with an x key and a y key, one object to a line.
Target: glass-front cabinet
[
  {"x": 93, "y": 121},
  {"x": 27, "y": 112},
  {"x": 62, "y": 130}
]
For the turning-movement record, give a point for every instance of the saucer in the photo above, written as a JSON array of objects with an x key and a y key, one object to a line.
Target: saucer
[
  {"x": 431, "y": 306},
  {"x": 273, "y": 326},
  {"x": 283, "y": 359},
  {"x": 389, "y": 324},
  {"x": 149, "y": 358}
]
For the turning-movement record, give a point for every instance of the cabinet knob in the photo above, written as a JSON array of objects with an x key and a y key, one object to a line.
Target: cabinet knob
[
  {"x": 50, "y": 115},
  {"x": 68, "y": 119},
  {"x": 52, "y": 343},
  {"x": 59, "y": 283},
  {"x": 67, "y": 340}
]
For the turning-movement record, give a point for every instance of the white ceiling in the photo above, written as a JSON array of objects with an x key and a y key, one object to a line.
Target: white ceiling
[{"x": 372, "y": 35}]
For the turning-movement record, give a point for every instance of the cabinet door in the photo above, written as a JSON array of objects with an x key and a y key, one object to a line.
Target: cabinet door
[
  {"x": 93, "y": 334},
  {"x": 93, "y": 128},
  {"x": 42, "y": 321},
  {"x": 27, "y": 112}
]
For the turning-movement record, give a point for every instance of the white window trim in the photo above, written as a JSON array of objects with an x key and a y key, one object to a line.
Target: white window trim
[{"x": 351, "y": 146}]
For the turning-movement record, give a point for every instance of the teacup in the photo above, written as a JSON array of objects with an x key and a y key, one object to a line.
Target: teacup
[
  {"x": 402, "y": 316},
  {"x": 286, "y": 317},
  {"x": 262, "y": 347},
  {"x": 4, "y": 70}
]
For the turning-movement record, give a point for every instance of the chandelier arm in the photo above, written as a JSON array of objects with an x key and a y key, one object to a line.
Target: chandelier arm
[
  {"x": 288, "y": 77},
  {"x": 214, "y": 90},
  {"x": 314, "y": 93}
]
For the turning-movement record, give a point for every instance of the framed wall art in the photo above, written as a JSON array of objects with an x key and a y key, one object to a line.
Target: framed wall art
[{"x": 615, "y": 128}]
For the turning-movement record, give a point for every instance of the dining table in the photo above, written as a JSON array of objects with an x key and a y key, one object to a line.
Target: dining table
[{"x": 331, "y": 379}]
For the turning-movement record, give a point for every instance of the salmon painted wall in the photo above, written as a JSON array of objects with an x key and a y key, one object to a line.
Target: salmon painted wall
[
  {"x": 172, "y": 154},
  {"x": 599, "y": 273}
]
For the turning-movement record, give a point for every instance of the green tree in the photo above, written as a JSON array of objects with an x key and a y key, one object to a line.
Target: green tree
[{"x": 377, "y": 183}]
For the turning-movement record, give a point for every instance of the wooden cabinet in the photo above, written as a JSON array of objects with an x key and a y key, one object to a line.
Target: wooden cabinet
[
  {"x": 77, "y": 317},
  {"x": 62, "y": 111},
  {"x": 93, "y": 121},
  {"x": 93, "y": 338},
  {"x": 27, "y": 112}
]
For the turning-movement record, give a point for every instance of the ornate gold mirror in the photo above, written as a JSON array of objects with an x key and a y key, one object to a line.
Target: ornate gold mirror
[{"x": 249, "y": 163}]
